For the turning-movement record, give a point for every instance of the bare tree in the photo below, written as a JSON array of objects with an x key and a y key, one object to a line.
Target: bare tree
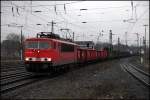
[
  {"x": 11, "y": 46},
  {"x": 14, "y": 37}
]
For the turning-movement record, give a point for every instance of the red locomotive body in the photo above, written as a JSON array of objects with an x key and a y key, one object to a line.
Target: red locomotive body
[{"x": 43, "y": 53}]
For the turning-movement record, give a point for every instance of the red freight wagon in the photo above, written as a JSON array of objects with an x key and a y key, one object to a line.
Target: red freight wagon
[
  {"x": 85, "y": 55},
  {"x": 81, "y": 55},
  {"x": 103, "y": 54},
  {"x": 91, "y": 54},
  {"x": 98, "y": 54}
]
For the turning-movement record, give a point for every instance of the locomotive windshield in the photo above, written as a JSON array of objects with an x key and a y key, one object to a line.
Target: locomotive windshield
[{"x": 37, "y": 45}]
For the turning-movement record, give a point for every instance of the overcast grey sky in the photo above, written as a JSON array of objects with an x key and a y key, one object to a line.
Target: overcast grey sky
[{"x": 100, "y": 15}]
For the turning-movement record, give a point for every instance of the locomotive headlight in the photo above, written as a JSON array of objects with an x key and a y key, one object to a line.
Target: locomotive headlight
[
  {"x": 49, "y": 59},
  {"x": 27, "y": 59}
]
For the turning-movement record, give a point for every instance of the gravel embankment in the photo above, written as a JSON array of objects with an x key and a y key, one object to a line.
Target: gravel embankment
[{"x": 105, "y": 80}]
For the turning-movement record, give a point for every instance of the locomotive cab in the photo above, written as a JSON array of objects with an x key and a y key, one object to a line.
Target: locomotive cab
[{"x": 38, "y": 54}]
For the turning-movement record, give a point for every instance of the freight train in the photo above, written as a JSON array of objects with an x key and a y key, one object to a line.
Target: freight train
[{"x": 48, "y": 51}]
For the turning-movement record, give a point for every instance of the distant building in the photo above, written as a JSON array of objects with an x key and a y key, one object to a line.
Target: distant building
[{"x": 86, "y": 44}]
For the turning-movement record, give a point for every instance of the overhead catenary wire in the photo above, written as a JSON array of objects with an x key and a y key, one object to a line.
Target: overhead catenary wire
[
  {"x": 65, "y": 8},
  {"x": 132, "y": 7},
  {"x": 135, "y": 17},
  {"x": 17, "y": 10},
  {"x": 47, "y": 5},
  {"x": 43, "y": 18},
  {"x": 55, "y": 9},
  {"x": 72, "y": 23},
  {"x": 62, "y": 17},
  {"x": 26, "y": 26},
  {"x": 138, "y": 19},
  {"x": 74, "y": 9},
  {"x": 35, "y": 15},
  {"x": 13, "y": 11}
]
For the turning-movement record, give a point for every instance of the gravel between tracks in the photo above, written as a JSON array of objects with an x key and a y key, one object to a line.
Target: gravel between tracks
[{"x": 97, "y": 81}]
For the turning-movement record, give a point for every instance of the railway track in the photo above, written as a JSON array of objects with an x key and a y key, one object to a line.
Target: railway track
[
  {"x": 14, "y": 80},
  {"x": 140, "y": 66},
  {"x": 22, "y": 82},
  {"x": 17, "y": 81},
  {"x": 11, "y": 67},
  {"x": 12, "y": 73},
  {"x": 137, "y": 73},
  {"x": 13, "y": 77},
  {"x": 17, "y": 84},
  {"x": 141, "y": 71}
]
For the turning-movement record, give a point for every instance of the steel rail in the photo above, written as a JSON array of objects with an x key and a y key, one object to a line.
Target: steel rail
[
  {"x": 14, "y": 75},
  {"x": 14, "y": 79},
  {"x": 12, "y": 69},
  {"x": 135, "y": 75},
  {"x": 21, "y": 83},
  {"x": 141, "y": 71},
  {"x": 11, "y": 66},
  {"x": 11, "y": 87}
]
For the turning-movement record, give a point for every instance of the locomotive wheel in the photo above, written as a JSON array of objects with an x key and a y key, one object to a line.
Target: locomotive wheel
[
  {"x": 66, "y": 68},
  {"x": 29, "y": 69}
]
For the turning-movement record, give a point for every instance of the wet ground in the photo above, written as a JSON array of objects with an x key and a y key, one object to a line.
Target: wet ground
[{"x": 104, "y": 80}]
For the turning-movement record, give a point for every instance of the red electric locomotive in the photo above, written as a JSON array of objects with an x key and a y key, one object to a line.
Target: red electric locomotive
[{"x": 46, "y": 52}]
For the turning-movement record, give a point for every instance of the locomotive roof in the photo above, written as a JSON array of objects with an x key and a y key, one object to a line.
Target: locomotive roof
[
  {"x": 50, "y": 39},
  {"x": 87, "y": 49}
]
